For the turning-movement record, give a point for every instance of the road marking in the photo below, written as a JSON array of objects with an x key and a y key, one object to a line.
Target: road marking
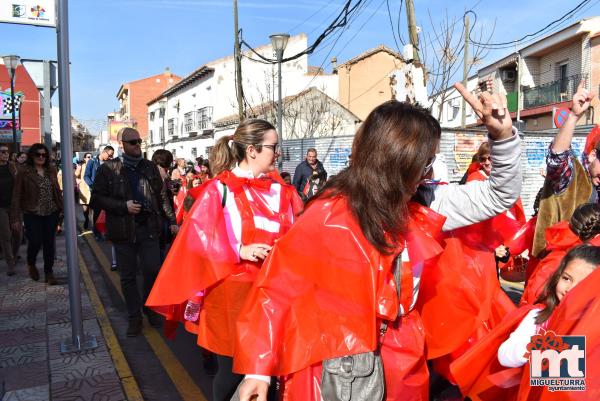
[
  {"x": 186, "y": 387},
  {"x": 132, "y": 390}
]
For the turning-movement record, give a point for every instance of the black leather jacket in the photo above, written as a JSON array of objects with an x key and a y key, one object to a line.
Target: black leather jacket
[{"x": 112, "y": 190}]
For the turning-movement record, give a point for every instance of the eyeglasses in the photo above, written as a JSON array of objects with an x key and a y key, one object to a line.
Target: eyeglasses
[
  {"x": 429, "y": 165},
  {"x": 5, "y": 151},
  {"x": 41, "y": 155},
  {"x": 484, "y": 158},
  {"x": 134, "y": 142},
  {"x": 274, "y": 147}
]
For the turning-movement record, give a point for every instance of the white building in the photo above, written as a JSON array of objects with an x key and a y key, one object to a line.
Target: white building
[{"x": 181, "y": 118}]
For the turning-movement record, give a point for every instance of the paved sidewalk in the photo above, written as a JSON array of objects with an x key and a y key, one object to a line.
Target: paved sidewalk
[{"x": 34, "y": 321}]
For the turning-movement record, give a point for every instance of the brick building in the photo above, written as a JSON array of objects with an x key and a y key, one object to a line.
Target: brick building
[
  {"x": 30, "y": 112},
  {"x": 133, "y": 98}
]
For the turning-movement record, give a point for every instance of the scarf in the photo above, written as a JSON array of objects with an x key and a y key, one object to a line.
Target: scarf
[{"x": 131, "y": 162}]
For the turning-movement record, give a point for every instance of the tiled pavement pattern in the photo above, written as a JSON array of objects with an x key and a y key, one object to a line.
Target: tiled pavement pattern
[{"x": 34, "y": 320}]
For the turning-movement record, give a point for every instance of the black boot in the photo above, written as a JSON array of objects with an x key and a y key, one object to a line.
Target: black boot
[{"x": 135, "y": 327}]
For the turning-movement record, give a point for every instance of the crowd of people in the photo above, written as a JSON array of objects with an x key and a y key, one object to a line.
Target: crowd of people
[{"x": 377, "y": 283}]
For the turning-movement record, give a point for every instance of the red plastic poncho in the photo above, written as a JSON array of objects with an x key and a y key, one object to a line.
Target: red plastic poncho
[
  {"x": 478, "y": 373},
  {"x": 576, "y": 315},
  {"x": 320, "y": 295},
  {"x": 202, "y": 259}
]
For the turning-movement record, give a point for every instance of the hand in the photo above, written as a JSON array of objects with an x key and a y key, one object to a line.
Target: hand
[
  {"x": 174, "y": 229},
  {"x": 501, "y": 252},
  {"x": 133, "y": 207},
  {"x": 253, "y": 389},
  {"x": 17, "y": 226},
  {"x": 253, "y": 252},
  {"x": 491, "y": 109},
  {"x": 581, "y": 100}
]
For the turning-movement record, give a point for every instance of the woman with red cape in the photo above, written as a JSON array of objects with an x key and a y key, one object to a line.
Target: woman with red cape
[
  {"x": 235, "y": 220},
  {"x": 344, "y": 280}
]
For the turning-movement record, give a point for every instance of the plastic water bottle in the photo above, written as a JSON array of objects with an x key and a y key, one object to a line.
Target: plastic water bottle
[{"x": 192, "y": 308}]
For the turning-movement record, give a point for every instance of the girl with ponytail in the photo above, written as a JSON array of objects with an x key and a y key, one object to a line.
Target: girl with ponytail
[
  {"x": 583, "y": 227},
  {"x": 229, "y": 231}
]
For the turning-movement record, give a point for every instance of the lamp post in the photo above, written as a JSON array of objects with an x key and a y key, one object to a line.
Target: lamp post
[
  {"x": 279, "y": 42},
  {"x": 11, "y": 62}
]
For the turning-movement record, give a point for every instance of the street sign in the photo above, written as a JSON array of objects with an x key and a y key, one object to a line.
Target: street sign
[
  {"x": 560, "y": 116},
  {"x": 38, "y": 12}
]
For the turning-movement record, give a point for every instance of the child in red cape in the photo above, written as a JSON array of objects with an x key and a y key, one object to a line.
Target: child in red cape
[
  {"x": 219, "y": 250},
  {"x": 329, "y": 283},
  {"x": 584, "y": 226},
  {"x": 491, "y": 369}
]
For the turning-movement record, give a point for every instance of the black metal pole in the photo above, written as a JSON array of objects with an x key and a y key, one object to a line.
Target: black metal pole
[{"x": 14, "y": 118}]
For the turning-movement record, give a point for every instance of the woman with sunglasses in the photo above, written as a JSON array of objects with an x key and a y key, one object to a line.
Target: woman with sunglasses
[
  {"x": 345, "y": 279},
  {"x": 229, "y": 231},
  {"x": 37, "y": 196}
]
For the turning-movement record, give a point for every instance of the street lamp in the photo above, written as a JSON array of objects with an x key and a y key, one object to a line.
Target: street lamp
[
  {"x": 11, "y": 63},
  {"x": 279, "y": 42}
]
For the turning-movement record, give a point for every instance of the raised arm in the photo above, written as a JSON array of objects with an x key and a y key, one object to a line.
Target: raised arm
[
  {"x": 581, "y": 102},
  {"x": 479, "y": 200}
]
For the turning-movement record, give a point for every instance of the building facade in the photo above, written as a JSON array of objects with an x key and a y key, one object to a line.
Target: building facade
[
  {"x": 540, "y": 78},
  {"x": 133, "y": 98},
  {"x": 29, "y": 113}
]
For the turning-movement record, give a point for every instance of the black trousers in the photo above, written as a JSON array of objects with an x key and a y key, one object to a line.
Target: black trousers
[
  {"x": 142, "y": 252},
  {"x": 225, "y": 381},
  {"x": 41, "y": 233}
]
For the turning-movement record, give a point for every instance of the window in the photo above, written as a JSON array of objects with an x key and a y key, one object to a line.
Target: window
[
  {"x": 151, "y": 116},
  {"x": 171, "y": 126},
  {"x": 204, "y": 118},
  {"x": 194, "y": 153},
  {"x": 188, "y": 121},
  {"x": 151, "y": 134},
  {"x": 161, "y": 134},
  {"x": 208, "y": 150},
  {"x": 161, "y": 112},
  {"x": 563, "y": 76},
  {"x": 453, "y": 107}
]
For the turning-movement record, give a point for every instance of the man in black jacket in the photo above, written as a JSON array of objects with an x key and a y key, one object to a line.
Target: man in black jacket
[
  {"x": 132, "y": 194},
  {"x": 311, "y": 172}
]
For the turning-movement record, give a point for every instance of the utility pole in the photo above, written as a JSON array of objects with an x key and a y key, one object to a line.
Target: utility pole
[
  {"x": 412, "y": 31},
  {"x": 463, "y": 118},
  {"x": 238, "y": 62}
]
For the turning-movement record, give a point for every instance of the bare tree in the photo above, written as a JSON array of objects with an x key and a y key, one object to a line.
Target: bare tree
[{"x": 444, "y": 54}]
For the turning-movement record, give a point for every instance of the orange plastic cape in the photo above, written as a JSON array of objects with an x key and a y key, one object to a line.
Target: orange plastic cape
[
  {"x": 322, "y": 289},
  {"x": 576, "y": 315},
  {"x": 200, "y": 256},
  {"x": 478, "y": 372},
  {"x": 460, "y": 301},
  {"x": 559, "y": 239}
]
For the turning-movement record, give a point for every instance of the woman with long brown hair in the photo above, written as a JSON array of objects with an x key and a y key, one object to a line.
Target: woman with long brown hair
[
  {"x": 37, "y": 196},
  {"x": 337, "y": 293},
  {"x": 227, "y": 234}
]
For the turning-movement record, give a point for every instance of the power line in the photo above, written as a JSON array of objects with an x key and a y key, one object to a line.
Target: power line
[
  {"x": 542, "y": 31},
  {"x": 389, "y": 12},
  {"x": 339, "y": 22}
]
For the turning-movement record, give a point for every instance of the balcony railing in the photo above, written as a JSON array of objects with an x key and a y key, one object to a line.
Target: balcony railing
[{"x": 553, "y": 92}]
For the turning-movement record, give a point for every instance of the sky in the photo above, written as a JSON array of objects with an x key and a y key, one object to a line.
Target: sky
[{"x": 117, "y": 41}]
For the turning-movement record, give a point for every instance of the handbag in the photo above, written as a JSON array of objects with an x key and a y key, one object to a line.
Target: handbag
[{"x": 358, "y": 377}]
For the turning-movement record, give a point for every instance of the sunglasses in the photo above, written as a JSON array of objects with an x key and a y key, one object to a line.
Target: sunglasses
[
  {"x": 134, "y": 142},
  {"x": 4, "y": 151},
  {"x": 429, "y": 166},
  {"x": 274, "y": 147},
  {"x": 41, "y": 155},
  {"x": 484, "y": 158}
]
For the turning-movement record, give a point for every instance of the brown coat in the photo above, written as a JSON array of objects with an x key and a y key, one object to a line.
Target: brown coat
[
  {"x": 26, "y": 192},
  {"x": 555, "y": 208}
]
